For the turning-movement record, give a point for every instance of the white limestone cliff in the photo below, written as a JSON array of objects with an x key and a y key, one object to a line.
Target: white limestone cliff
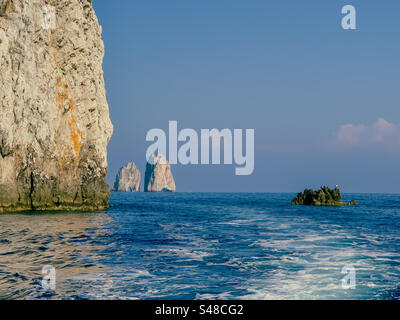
[
  {"x": 54, "y": 123},
  {"x": 128, "y": 179},
  {"x": 158, "y": 177}
]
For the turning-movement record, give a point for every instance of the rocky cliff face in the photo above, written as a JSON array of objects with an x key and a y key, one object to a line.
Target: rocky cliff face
[
  {"x": 128, "y": 179},
  {"x": 158, "y": 177},
  {"x": 54, "y": 123}
]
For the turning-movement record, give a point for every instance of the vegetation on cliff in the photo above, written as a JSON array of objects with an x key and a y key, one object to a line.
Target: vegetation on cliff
[{"x": 323, "y": 197}]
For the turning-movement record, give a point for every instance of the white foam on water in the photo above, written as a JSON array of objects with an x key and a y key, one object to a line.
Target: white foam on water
[{"x": 183, "y": 253}]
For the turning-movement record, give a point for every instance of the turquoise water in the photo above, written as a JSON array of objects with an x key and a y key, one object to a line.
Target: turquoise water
[{"x": 205, "y": 246}]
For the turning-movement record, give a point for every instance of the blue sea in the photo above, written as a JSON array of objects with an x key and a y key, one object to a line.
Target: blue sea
[{"x": 205, "y": 246}]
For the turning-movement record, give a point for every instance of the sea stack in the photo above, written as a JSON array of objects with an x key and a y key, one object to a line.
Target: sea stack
[
  {"x": 128, "y": 179},
  {"x": 158, "y": 177},
  {"x": 323, "y": 197},
  {"x": 54, "y": 123}
]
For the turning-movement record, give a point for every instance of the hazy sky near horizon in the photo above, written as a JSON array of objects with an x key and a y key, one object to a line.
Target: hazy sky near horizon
[{"x": 324, "y": 102}]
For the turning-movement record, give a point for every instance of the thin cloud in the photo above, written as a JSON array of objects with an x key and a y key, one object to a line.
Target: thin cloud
[
  {"x": 380, "y": 132},
  {"x": 350, "y": 133},
  {"x": 383, "y": 130}
]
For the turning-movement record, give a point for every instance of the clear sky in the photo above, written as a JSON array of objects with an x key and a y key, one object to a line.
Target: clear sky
[{"x": 324, "y": 102}]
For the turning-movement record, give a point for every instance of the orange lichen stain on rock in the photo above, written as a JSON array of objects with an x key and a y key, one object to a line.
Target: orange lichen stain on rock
[
  {"x": 67, "y": 149},
  {"x": 70, "y": 144},
  {"x": 14, "y": 65},
  {"x": 59, "y": 82},
  {"x": 60, "y": 162},
  {"x": 61, "y": 97},
  {"x": 76, "y": 135},
  {"x": 71, "y": 104},
  {"x": 9, "y": 7},
  {"x": 55, "y": 60}
]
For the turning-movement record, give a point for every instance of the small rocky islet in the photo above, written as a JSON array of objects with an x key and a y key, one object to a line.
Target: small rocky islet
[
  {"x": 158, "y": 177},
  {"x": 322, "y": 197},
  {"x": 128, "y": 179}
]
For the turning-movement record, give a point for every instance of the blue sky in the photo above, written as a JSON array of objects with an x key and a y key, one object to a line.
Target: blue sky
[{"x": 324, "y": 102}]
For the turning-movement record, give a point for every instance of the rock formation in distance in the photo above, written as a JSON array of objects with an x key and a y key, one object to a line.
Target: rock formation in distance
[
  {"x": 158, "y": 177},
  {"x": 128, "y": 179},
  {"x": 54, "y": 123},
  {"x": 323, "y": 197}
]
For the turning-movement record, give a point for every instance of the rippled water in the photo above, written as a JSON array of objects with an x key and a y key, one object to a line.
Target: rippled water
[{"x": 205, "y": 246}]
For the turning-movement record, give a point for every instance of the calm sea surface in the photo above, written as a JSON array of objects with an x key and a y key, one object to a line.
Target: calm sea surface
[{"x": 205, "y": 246}]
